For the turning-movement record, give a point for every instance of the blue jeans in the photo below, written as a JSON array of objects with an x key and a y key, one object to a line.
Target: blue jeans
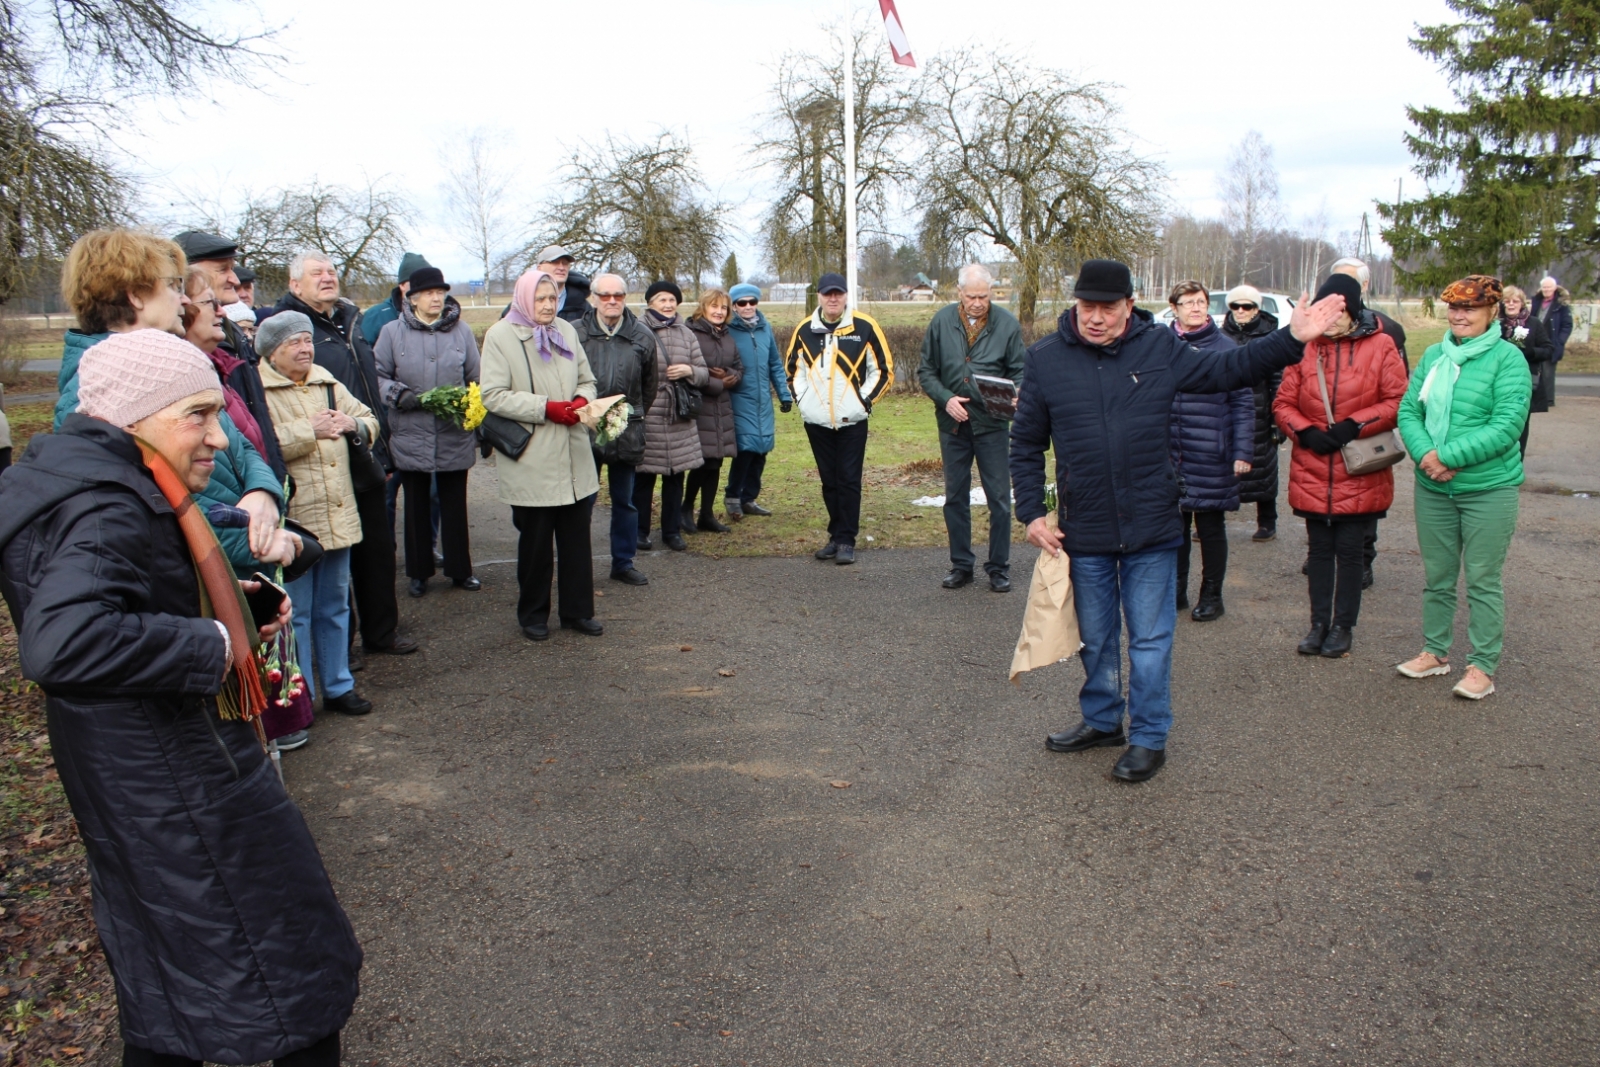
[
  {"x": 1141, "y": 587},
  {"x": 321, "y": 599},
  {"x": 993, "y": 452},
  {"x": 624, "y": 516}
]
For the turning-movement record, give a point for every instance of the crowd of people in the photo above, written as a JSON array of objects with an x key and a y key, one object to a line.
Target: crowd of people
[{"x": 207, "y": 449}]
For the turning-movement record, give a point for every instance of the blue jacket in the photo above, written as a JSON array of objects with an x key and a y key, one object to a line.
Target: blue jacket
[
  {"x": 1105, "y": 410},
  {"x": 239, "y": 470},
  {"x": 753, "y": 421},
  {"x": 376, "y": 317},
  {"x": 1207, "y": 433},
  {"x": 76, "y": 344}
]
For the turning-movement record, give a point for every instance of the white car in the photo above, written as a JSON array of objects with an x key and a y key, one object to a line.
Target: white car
[{"x": 1277, "y": 305}]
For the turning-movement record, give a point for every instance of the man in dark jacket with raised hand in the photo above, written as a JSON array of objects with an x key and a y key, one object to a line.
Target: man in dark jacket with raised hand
[
  {"x": 341, "y": 348},
  {"x": 622, "y": 354},
  {"x": 1100, "y": 391},
  {"x": 965, "y": 339}
]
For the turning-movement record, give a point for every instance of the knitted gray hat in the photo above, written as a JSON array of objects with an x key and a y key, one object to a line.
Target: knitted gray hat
[{"x": 281, "y": 326}]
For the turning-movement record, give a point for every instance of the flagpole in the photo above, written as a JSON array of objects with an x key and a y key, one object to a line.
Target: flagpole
[{"x": 849, "y": 155}]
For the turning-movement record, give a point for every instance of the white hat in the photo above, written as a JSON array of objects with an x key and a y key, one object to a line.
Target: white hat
[
  {"x": 1244, "y": 294},
  {"x": 240, "y": 312}
]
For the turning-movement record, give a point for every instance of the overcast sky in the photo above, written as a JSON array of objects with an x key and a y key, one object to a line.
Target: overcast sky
[{"x": 379, "y": 90}]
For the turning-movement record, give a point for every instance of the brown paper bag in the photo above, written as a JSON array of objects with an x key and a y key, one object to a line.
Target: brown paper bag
[{"x": 1050, "y": 623}]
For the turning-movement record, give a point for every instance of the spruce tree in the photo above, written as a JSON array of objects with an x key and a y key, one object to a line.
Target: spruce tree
[
  {"x": 730, "y": 272},
  {"x": 1512, "y": 174}
]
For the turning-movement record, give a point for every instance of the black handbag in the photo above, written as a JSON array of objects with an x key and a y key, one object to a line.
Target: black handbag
[
  {"x": 506, "y": 436},
  {"x": 311, "y": 551},
  {"x": 685, "y": 400},
  {"x": 366, "y": 473}
]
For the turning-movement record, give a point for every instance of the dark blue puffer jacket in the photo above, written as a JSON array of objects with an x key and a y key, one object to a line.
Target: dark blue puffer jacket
[
  {"x": 1105, "y": 410},
  {"x": 1207, "y": 433}
]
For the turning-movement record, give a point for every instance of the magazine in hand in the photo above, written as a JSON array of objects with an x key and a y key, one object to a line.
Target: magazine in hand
[{"x": 999, "y": 395}]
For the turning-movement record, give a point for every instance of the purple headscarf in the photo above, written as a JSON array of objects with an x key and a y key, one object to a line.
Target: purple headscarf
[{"x": 547, "y": 339}]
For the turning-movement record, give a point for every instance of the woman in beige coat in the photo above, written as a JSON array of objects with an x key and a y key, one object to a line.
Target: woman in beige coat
[
  {"x": 313, "y": 415},
  {"x": 533, "y": 371}
]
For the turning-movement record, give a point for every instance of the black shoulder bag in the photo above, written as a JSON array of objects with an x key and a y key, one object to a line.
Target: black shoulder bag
[
  {"x": 365, "y": 471},
  {"x": 507, "y": 436}
]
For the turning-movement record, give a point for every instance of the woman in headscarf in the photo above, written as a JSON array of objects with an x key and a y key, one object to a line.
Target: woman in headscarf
[
  {"x": 1522, "y": 328},
  {"x": 1461, "y": 418},
  {"x": 534, "y": 372}
]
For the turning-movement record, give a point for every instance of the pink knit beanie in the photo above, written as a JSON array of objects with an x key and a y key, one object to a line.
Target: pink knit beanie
[{"x": 129, "y": 376}]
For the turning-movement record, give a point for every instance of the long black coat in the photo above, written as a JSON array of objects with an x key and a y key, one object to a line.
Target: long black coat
[
  {"x": 1262, "y": 481},
  {"x": 1104, "y": 408},
  {"x": 221, "y": 927}
]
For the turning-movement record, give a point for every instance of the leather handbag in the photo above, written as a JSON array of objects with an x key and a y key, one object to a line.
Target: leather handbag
[
  {"x": 1364, "y": 455},
  {"x": 506, "y": 436},
  {"x": 685, "y": 400},
  {"x": 365, "y": 471}
]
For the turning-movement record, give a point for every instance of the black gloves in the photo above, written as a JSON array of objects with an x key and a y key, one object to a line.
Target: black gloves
[
  {"x": 1344, "y": 431},
  {"x": 1319, "y": 441},
  {"x": 786, "y": 406},
  {"x": 408, "y": 401}
]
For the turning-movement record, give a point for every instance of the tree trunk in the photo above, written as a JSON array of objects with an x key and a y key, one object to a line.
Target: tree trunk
[{"x": 1028, "y": 294}]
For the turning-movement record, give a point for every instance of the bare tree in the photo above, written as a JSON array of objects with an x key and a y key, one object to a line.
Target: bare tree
[
  {"x": 481, "y": 206},
  {"x": 1249, "y": 190},
  {"x": 67, "y": 71},
  {"x": 1030, "y": 160},
  {"x": 638, "y": 209},
  {"x": 803, "y": 230}
]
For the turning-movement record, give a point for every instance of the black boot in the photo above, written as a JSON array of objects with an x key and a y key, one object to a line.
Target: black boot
[
  {"x": 1312, "y": 644},
  {"x": 1337, "y": 644},
  {"x": 1183, "y": 595},
  {"x": 1210, "y": 605}
]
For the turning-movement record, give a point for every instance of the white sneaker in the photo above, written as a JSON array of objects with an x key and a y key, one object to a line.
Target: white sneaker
[
  {"x": 1426, "y": 665},
  {"x": 1474, "y": 685},
  {"x": 290, "y": 742}
]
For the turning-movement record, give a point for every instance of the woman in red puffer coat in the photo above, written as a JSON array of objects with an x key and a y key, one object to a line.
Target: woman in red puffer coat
[{"x": 1366, "y": 379}]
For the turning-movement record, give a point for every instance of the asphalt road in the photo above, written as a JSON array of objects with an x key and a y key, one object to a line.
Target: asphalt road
[{"x": 641, "y": 849}]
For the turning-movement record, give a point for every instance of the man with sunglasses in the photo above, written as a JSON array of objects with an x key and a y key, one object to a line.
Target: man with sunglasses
[
  {"x": 1244, "y": 323},
  {"x": 622, "y": 354}
]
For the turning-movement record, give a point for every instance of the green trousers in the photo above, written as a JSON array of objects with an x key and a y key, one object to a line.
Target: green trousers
[{"x": 1471, "y": 531}]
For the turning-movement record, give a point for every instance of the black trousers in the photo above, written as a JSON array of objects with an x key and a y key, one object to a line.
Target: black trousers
[
  {"x": 644, "y": 492},
  {"x": 453, "y": 535},
  {"x": 744, "y": 476},
  {"x": 372, "y": 571},
  {"x": 1333, "y": 568},
  {"x": 1213, "y": 547},
  {"x": 1267, "y": 513},
  {"x": 702, "y": 483},
  {"x": 324, "y": 1053},
  {"x": 840, "y": 454},
  {"x": 566, "y": 530}
]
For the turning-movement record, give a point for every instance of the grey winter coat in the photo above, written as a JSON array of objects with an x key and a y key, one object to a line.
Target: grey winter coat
[
  {"x": 718, "y": 434},
  {"x": 413, "y": 357},
  {"x": 225, "y": 938},
  {"x": 671, "y": 447}
]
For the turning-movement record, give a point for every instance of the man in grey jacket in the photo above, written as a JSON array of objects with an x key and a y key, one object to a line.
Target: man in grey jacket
[{"x": 968, "y": 338}]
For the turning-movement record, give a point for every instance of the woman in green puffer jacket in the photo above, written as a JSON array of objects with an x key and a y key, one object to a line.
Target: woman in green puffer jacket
[{"x": 1461, "y": 419}]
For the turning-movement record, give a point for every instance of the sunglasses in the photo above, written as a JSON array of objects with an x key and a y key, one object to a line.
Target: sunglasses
[
  {"x": 1242, "y": 307},
  {"x": 610, "y": 296},
  {"x": 745, "y": 303}
]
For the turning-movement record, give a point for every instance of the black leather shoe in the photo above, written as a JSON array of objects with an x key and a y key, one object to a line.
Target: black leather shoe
[
  {"x": 1366, "y": 577},
  {"x": 1210, "y": 606},
  {"x": 827, "y": 551},
  {"x": 351, "y": 703},
  {"x": 686, "y": 522},
  {"x": 1139, "y": 764},
  {"x": 753, "y": 508},
  {"x": 1312, "y": 644},
  {"x": 1337, "y": 644},
  {"x": 1083, "y": 737},
  {"x": 845, "y": 555},
  {"x": 401, "y": 646},
  {"x": 645, "y": 544},
  {"x": 956, "y": 579},
  {"x": 999, "y": 583},
  {"x": 583, "y": 626},
  {"x": 1183, "y": 598},
  {"x": 536, "y": 632},
  {"x": 629, "y": 577},
  {"x": 470, "y": 583},
  {"x": 733, "y": 509},
  {"x": 675, "y": 542},
  {"x": 709, "y": 524},
  {"x": 1264, "y": 533},
  {"x": 419, "y": 587}
]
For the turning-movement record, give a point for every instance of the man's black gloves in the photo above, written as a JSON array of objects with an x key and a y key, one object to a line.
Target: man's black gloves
[
  {"x": 1344, "y": 431},
  {"x": 1319, "y": 441},
  {"x": 786, "y": 406}
]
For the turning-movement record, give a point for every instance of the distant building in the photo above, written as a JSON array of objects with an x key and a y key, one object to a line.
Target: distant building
[{"x": 787, "y": 293}]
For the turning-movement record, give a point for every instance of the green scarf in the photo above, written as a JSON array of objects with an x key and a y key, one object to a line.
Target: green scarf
[{"x": 1438, "y": 390}]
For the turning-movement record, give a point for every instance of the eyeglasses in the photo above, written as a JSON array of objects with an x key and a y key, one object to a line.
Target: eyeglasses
[
  {"x": 1191, "y": 304},
  {"x": 611, "y": 296},
  {"x": 213, "y": 304},
  {"x": 1242, "y": 307},
  {"x": 745, "y": 303}
]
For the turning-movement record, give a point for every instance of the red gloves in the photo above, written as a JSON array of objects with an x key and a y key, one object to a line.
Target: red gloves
[{"x": 564, "y": 412}]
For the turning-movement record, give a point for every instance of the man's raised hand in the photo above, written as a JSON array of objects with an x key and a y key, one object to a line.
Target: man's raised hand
[{"x": 1310, "y": 321}]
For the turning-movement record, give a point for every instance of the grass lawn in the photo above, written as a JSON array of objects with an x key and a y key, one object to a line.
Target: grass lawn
[{"x": 27, "y": 420}]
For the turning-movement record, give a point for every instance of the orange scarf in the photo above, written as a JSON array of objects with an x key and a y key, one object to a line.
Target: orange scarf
[{"x": 221, "y": 598}]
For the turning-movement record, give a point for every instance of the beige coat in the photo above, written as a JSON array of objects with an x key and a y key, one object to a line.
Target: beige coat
[
  {"x": 558, "y": 467},
  {"x": 324, "y": 496}
]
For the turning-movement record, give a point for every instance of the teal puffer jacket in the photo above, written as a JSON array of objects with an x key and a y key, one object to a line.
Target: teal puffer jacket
[
  {"x": 239, "y": 470},
  {"x": 1487, "y": 412},
  {"x": 72, "y": 349}
]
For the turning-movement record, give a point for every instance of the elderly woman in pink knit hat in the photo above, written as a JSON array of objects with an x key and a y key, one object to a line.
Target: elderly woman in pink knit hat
[{"x": 222, "y": 930}]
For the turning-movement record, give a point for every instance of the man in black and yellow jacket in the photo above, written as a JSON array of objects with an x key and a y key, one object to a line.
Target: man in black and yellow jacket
[{"x": 837, "y": 364}]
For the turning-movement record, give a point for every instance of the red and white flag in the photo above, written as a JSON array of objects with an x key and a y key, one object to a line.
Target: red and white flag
[{"x": 899, "y": 43}]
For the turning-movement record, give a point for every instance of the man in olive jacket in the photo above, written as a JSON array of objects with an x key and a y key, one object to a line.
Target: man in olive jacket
[
  {"x": 622, "y": 354},
  {"x": 964, "y": 339}
]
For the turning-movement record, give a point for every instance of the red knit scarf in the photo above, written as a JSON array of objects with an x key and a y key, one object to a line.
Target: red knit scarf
[{"x": 221, "y": 598}]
